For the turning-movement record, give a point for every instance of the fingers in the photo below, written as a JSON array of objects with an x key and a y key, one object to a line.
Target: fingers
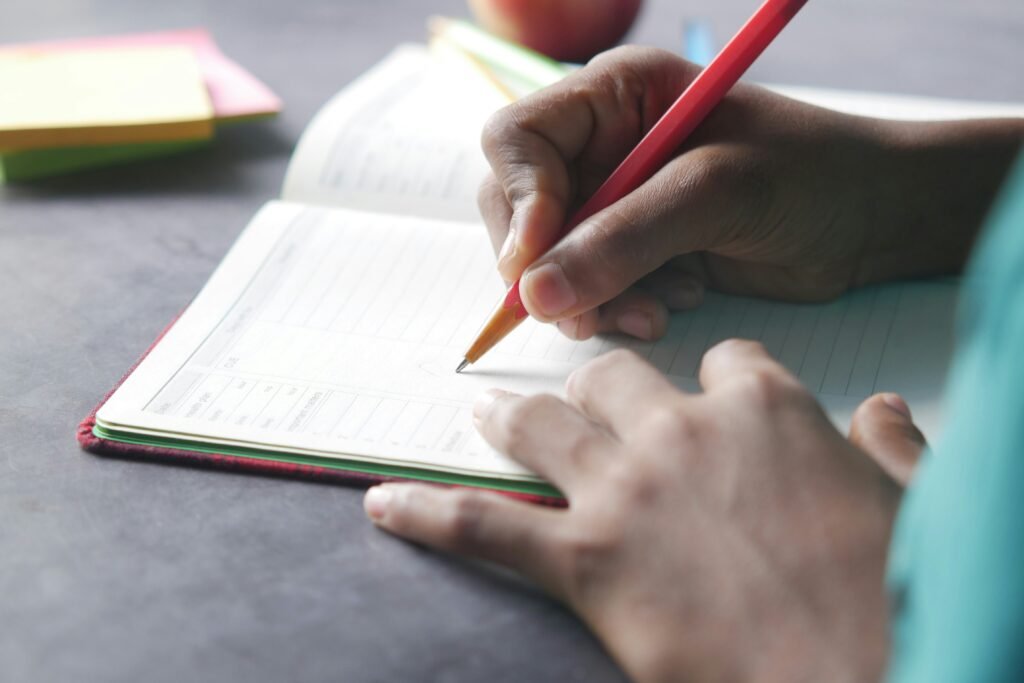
[
  {"x": 736, "y": 360},
  {"x": 635, "y": 312},
  {"x": 543, "y": 433},
  {"x": 618, "y": 390},
  {"x": 883, "y": 427},
  {"x": 695, "y": 203},
  {"x": 677, "y": 289},
  {"x": 495, "y": 210},
  {"x": 546, "y": 146},
  {"x": 471, "y": 522},
  {"x": 528, "y": 145}
]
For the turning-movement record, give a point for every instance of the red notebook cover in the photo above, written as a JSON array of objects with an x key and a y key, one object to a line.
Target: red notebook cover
[{"x": 92, "y": 443}]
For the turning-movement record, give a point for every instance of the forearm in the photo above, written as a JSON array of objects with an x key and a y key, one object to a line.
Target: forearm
[{"x": 931, "y": 195}]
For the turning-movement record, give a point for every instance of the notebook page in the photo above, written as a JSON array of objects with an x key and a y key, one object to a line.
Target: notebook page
[
  {"x": 337, "y": 332},
  {"x": 899, "y": 107},
  {"x": 403, "y": 138}
]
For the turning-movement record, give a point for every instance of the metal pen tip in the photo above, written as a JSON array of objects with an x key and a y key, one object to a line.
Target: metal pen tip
[{"x": 462, "y": 366}]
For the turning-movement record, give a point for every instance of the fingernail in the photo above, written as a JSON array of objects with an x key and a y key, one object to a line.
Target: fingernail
[
  {"x": 508, "y": 249},
  {"x": 483, "y": 402},
  {"x": 686, "y": 295},
  {"x": 376, "y": 502},
  {"x": 570, "y": 327},
  {"x": 550, "y": 289},
  {"x": 635, "y": 323},
  {"x": 896, "y": 402}
]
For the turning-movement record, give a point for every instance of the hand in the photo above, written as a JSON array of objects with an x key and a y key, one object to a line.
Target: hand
[
  {"x": 730, "y": 535},
  {"x": 883, "y": 427},
  {"x": 770, "y": 197}
]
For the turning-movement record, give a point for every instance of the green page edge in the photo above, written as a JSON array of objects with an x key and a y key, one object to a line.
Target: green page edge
[
  {"x": 528, "y": 64},
  {"x": 43, "y": 163},
  {"x": 332, "y": 463},
  {"x": 329, "y": 463}
]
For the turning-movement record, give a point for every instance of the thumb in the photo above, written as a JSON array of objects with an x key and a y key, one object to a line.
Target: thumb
[
  {"x": 883, "y": 427},
  {"x": 677, "y": 211}
]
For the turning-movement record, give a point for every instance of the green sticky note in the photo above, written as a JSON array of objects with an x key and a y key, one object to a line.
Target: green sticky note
[{"x": 41, "y": 163}]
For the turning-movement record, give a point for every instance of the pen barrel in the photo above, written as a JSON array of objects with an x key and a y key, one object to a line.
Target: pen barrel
[{"x": 506, "y": 317}]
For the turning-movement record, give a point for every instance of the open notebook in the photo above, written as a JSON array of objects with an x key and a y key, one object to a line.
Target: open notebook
[{"x": 328, "y": 336}]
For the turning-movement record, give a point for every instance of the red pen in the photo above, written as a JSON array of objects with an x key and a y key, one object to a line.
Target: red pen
[{"x": 658, "y": 146}]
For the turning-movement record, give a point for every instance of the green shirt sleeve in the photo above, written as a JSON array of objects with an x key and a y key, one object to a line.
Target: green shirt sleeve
[{"x": 956, "y": 567}]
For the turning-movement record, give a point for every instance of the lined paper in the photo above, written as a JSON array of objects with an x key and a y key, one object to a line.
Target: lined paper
[
  {"x": 899, "y": 107},
  {"x": 403, "y": 138},
  {"x": 336, "y": 331}
]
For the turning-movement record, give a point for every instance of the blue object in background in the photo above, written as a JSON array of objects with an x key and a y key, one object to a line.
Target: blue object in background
[{"x": 698, "y": 41}]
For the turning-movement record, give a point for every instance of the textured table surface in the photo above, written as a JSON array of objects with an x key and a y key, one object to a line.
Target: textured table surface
[{"x": 122, "y": 571}]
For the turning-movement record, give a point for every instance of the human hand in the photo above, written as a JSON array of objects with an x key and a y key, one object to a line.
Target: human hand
[
  {"x": 730, "y": 535},
  {"x": 883, "y": 427},
  {"x": 769, "y": 197}
]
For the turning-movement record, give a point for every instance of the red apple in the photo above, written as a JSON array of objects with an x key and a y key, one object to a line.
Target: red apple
[{"x": 567, "y": 30}]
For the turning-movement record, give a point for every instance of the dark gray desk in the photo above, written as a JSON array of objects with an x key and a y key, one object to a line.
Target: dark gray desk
[{"x": 113, "y": 570}]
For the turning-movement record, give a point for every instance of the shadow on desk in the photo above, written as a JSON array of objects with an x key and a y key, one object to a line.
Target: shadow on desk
[{"x": 226, "y": 165}]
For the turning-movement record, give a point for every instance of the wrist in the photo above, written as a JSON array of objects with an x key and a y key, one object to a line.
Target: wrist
[{"x": 929, "y": 189}]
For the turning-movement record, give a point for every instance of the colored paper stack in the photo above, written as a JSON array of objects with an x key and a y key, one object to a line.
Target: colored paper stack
[{"x": 77, "y": 104}]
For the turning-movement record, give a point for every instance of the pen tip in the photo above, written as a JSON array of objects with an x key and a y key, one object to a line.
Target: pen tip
[{"x": 462, "y": 366}]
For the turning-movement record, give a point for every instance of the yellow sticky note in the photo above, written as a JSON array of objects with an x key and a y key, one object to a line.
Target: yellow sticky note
[{"x": 101, "y": 97}]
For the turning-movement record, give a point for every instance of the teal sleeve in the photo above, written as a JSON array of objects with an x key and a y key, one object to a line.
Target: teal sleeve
[{"x": 956, "y": 567}]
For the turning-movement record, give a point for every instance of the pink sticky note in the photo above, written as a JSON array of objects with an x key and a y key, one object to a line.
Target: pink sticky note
[{"x": 234, "y": 92}]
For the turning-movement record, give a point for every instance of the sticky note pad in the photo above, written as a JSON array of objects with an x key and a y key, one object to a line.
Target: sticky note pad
[
  {"x": 101, "y": 97},
  {"x": 234, "y": 92}
]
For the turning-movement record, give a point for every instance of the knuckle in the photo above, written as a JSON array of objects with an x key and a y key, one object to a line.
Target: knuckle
[
  {"x": 760, "y": 387},
  {"x": 770, "y": 388},
  {"x": 622, "y": 71},
  {"x": 703, "y": 169},
  {"x": 588, "y": 380},
  {"x": 497, "y": 129},
  {"x": 730, "y": 349},
  {"x": 580, "y": 380},
  {"x": 631, "y": 56},
  {"x": 513, "y": 434},
  {"x": 670, "y": 424},
  {"x": 488, "y": 190},
  {"x": 585, "y": 555},
  {"x": 507, "y": 138},
  {"x": 618, "y": 357},
  {"x": 720, "y": 169},
  {"x": 465, "y": 519},
  {"x": 581, "y": 447},
  {"x": 635, "y": 485},
  {"x": 611, "y": 241},
  {"x": 577, "y": 385},
  {"x": 752, "y": 179},
  {"x": 864, "y": 412},
  {"x": 518, "y": 416},
  {"x": 614, "y": 56},
  {"x": 577, "y": 328},
  {"x": 527, "y": 408}
]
